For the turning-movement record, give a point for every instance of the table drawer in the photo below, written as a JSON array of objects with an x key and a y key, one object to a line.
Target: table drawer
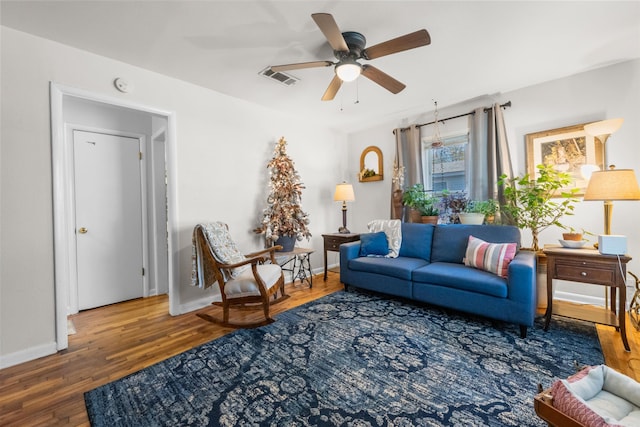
[
  {"x": 584, "y": 274},
  {"x": 332, "y": 245}
]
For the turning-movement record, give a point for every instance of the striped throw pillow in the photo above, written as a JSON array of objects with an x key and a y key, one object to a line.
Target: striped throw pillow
[{"x": 491, "y": 257}]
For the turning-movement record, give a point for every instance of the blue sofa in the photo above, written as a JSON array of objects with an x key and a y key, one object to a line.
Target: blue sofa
[{"x": 430, "y": 269}]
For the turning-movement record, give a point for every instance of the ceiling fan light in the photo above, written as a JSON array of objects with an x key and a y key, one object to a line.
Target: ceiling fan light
[{"x": 348, "y": 71}]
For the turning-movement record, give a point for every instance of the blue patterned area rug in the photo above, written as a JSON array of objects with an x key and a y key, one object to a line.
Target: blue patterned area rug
[{"x": 354, "y": 359}]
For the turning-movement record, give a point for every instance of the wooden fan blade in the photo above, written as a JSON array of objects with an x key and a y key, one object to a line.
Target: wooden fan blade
[
  {"x": 333, "y": 88},
  {"x": 300, "y": 65},
  {"x": 383, "y": 79},
  {"x": 330, "y": 29},
  {"x": 399, "y": 44}
]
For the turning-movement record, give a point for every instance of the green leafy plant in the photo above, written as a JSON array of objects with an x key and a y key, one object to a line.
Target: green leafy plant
[
  {"x": 486, "y": 207},
  {"x": 413, "y": 196},
  {"x": 429, "y": 206},
  {"x": 538, "y": 203},
  {"x": 416, "y": 197}
]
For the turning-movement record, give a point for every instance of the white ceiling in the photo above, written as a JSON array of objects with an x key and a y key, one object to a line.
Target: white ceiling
[{"x": 477, "y": 48}]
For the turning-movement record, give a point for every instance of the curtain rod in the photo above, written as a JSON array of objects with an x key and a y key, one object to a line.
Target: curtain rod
[{"x": 505, "y": 105}]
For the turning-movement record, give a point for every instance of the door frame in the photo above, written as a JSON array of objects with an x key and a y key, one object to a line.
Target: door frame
[
  {"x": 63, "y": 204},
  {"x": 72, "y": 247}
]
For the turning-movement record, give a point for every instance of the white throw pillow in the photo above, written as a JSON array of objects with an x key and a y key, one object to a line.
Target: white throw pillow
[{"x": 392, "y": 228}]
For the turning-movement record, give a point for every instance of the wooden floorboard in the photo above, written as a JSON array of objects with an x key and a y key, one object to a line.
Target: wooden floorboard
[{"x": 114, "y": 341}]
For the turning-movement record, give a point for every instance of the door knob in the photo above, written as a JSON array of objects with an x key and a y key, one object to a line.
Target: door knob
[{"x": 83, "y": 230}]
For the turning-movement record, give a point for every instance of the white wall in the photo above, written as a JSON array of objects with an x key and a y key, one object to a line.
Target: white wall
[
  {"x": 608, "y": 92},
  {"x": 222, "y": 147}
]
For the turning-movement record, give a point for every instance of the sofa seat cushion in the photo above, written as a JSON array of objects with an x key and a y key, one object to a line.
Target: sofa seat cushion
[
  {"x": 454, "y": 275},
  {"x": 400, "y": 267}
]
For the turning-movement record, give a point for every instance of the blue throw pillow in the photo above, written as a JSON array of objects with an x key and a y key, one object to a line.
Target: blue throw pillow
[{"x": 374, "y": 244}]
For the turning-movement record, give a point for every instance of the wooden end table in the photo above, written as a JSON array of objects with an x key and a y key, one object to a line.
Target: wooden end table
[
  {"x": 332, "y": 243},
  {"x": 591, "y": 267}
]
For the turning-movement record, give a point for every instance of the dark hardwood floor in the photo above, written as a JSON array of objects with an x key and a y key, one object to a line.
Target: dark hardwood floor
[{"x": 120, "y": 339}]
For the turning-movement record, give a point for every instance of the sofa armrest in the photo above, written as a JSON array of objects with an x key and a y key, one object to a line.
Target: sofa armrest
[
  {"x": 349, "y": 251},
  {"x": 522, "y": 277}
]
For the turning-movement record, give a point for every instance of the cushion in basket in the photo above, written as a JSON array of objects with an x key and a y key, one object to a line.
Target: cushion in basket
[
  {"x": 491, "y": 257},
  {"x": 599, "y": 396}
]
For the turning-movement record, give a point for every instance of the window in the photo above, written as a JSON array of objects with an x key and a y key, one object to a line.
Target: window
[{"x": 445, "y": 166}]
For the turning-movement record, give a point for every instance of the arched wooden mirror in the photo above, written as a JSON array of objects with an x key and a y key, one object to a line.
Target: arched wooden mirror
[{"x": 371, "y": 165}]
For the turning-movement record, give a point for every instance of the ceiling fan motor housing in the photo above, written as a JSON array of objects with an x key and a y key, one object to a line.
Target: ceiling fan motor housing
[{"x": 355, "y": 42}]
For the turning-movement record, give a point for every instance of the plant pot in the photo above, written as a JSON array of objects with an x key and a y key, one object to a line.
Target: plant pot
[
  {"x": 572, "y": 236},
  {"x": 429, "y": 219},
  {"x": 287, "y": 243},
  {"x": 471, "y": 218},
  {"x": 414, "y": 215}
]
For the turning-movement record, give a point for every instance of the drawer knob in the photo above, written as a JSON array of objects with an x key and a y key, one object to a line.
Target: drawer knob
[{"x": 583, "y": 274}]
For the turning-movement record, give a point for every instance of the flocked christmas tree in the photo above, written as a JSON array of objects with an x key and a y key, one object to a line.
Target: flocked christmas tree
[{"x": 284, "y": 215}]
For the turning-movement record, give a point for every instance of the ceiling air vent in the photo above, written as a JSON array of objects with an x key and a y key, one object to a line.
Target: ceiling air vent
[{"x": 280, "y": 77}]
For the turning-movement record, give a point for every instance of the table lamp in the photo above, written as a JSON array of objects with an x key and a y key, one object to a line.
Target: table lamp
[
  {"x": 610, "y": 185},
  {"x": 344, "y": 194}
]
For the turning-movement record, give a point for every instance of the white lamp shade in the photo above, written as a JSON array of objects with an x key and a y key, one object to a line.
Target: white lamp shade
[
  {"x": 344, "y": 193},
  {"x": 348, "y": 71},
  {"x": 614, "y": 184},
  {"x": 604, "y": 127}
]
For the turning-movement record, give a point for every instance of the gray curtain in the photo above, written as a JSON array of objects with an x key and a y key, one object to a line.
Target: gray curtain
[
  {"x": 407, "y": 165},
  {"x": 501, "y": 157},
  {"x": 477, "y": 157},
  {"x": 488, "y": 156}
]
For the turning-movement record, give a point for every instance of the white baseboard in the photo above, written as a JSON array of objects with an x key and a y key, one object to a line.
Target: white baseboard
[
  {"x": 578, "y": 298},
  {"x": 27, "y": 355},
  {"x": 195, "y": 305}
]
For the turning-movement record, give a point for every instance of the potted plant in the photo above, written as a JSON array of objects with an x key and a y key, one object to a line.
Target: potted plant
[
  {"x": 476, "y": 211},
  {"x": 452, "y": 204},
  {"x": 573, "y": 234},
  {"x": 428, "y": 209},
  {"x": 283, "y": 220},
  {"x": 538, "y": 203},
  {"x": 413, "y": 197}
]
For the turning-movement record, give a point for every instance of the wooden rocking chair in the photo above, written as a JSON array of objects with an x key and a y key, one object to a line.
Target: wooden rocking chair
[{"x": 243, "y": 279}]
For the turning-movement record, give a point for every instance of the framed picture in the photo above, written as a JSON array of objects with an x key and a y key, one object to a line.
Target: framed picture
[{"x": 567, "y": 149}]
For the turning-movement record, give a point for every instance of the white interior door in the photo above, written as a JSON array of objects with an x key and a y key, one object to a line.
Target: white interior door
[{"x": 108, "y": 211}]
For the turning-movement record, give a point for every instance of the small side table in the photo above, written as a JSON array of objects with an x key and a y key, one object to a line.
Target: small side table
[
  {"x": 332, "y": 243},
  {"x": 591, "y": 267},
  {"x": 301, "y": 268}
]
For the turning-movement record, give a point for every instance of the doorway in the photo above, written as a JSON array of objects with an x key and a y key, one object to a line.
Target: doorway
[{"x": 71, "y": 109}]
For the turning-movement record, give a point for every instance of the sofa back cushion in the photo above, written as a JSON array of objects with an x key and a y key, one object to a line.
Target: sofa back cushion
[
  {"x": 450, "y": 240},
  {"x": 416, "y": 240}
]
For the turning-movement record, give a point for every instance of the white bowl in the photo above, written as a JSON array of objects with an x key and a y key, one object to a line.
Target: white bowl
[{"x": 572, "y": 244}]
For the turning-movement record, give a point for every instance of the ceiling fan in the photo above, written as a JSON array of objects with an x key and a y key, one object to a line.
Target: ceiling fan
[{"x": 349, "y": 47}]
